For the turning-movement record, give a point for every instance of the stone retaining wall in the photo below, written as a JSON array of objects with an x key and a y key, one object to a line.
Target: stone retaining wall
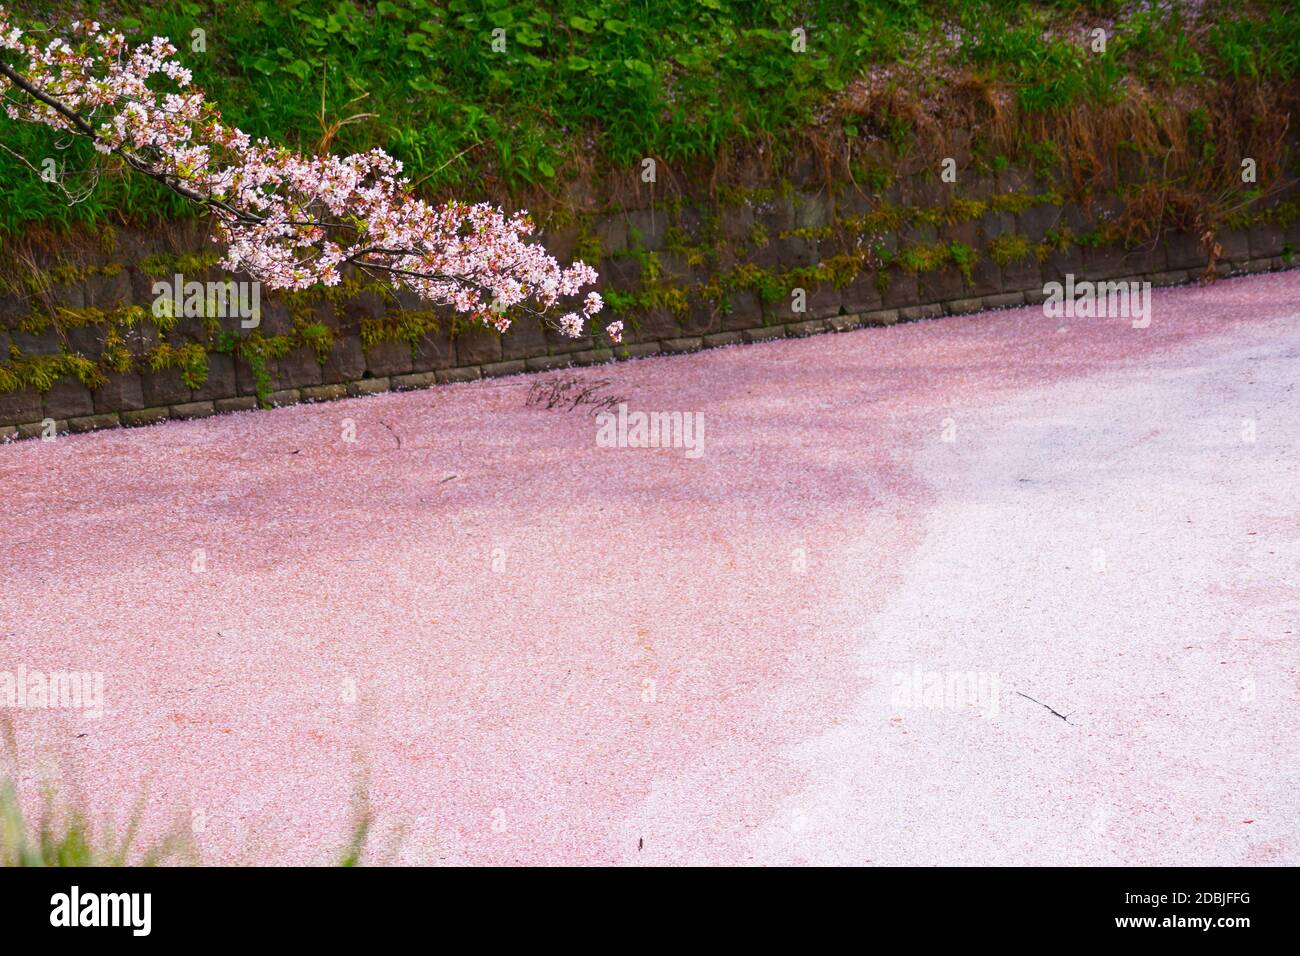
[{"x": 683, "y": 279}]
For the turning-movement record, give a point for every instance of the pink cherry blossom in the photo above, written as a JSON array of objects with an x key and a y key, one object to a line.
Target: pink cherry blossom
[{"x": 289, "y": 220}]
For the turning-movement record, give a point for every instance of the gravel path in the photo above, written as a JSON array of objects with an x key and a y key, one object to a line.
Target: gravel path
[{"x": 538, "y": 650}]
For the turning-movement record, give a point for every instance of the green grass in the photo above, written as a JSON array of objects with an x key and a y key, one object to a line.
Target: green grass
[
  {"x": 66, "y": 836},
  {"x": 64, "y": 833},
  {"x": 595, "y": 84}
]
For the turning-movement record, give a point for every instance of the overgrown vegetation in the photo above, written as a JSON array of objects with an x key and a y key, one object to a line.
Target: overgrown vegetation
[
  {"x": 64, "y": 833},
  {"x": 585, "y": 86},
  {"x": 1158, "y": 117}
]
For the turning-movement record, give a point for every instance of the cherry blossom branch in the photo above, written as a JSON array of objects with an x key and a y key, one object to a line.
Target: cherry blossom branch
[{"x": 289, "y": 220}]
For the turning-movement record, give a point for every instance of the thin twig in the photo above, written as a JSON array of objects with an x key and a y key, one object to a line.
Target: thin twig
[{"x": 1041, "y": 704}]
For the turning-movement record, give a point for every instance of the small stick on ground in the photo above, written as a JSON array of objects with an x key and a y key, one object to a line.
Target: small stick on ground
[
  {"x": 1041, "y": 704},
  {"x": 391, "y": 432}
]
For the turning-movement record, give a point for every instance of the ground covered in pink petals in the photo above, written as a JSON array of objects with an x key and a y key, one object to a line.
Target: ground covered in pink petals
[{"x": 536, "y": 650}]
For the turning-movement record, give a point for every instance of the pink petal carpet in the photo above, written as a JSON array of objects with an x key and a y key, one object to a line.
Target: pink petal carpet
[{"x": 534, "y": 650}]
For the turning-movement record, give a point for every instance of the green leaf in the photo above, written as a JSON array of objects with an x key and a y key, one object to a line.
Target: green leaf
[
  {"x": 640, "y": 67},
  {"x": 298, "y": 68}
]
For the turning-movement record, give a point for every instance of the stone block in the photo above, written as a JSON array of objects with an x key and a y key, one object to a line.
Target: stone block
[
  {"x": 222, "y": 381},
  {"x": 403, "y": 383},
  {"x": 1104, "y": 262},
  {"x": 1146, "y": 260},
  {"x": 386, "y": 357},
  {"x": 433, "y": 351},
  {"x": 1022, "y": 274},
  {"x": 20, "y": 407},
  {"x": 1004, "y": 300},
  {"x": 499, "y": 369},
  {"x": 87, "y": 340},
  {"x": 121, "y": 392},
  {"x": 477, "y": 345},
  {"x": 1184, "y": 251},
  {"x": 68, "y": 398},
  {"x": 736, "y": 223},
  {"x": 722, "y": 339},
  {"x": 242, "y": 403},
  {"x": 686, "y": 344},
  {"x": 37, "y": 429},
  {"x": 799, "y": 330},
  {"x": 967, "y": 233},
  {"x": 658, "y": 323},
  {"x": 611, "y": 233},
  {"x": 647, "y": 229},
  {"x": 861, "y": 295},
  {"x": 1266, "y": 240},
  {"x": 1235, "y": 243},
  {"x": 369, "y": 386},
  {"x": 346, "y": 362},
  {"x": 902, "y": 290},
  {"x": 702, "y": 318},
  {"x": 90, "y": 423},
  {"x": 366, "y": 306},
  {"x": 526, "y": 337},
  {"x": 547, "y": 363},
  {"x": 145, "y": 416},
  {"x": 163, "y": 387},
  {"x": 47, "y": 342},
  {"x": 792, "y": 252},
  {"x": 559, "y": 343},
  {"x": 985, "y": 278},
  {"x": 1035, "y": 222},
  {"x": 1062, "y": 262},
  {"x": 742, "y": 310},
  {"x": 940, "y": 285},
  {"x": 963, "y": 306},
  {"x": 1169, "y": 278},
  {"x": 464, "y": 374},
  {"x": 823, "y": 301},
  {"x": 811, "y": 210},
  {"x": 275, "y": 318},
  {"x": 593, "y": 356},
  {"x": 916, "y": 313},
  {"x": 108, "y": 291},
  {"x": 193, "y": 410},
  {"x": 637, "y": 350}
]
